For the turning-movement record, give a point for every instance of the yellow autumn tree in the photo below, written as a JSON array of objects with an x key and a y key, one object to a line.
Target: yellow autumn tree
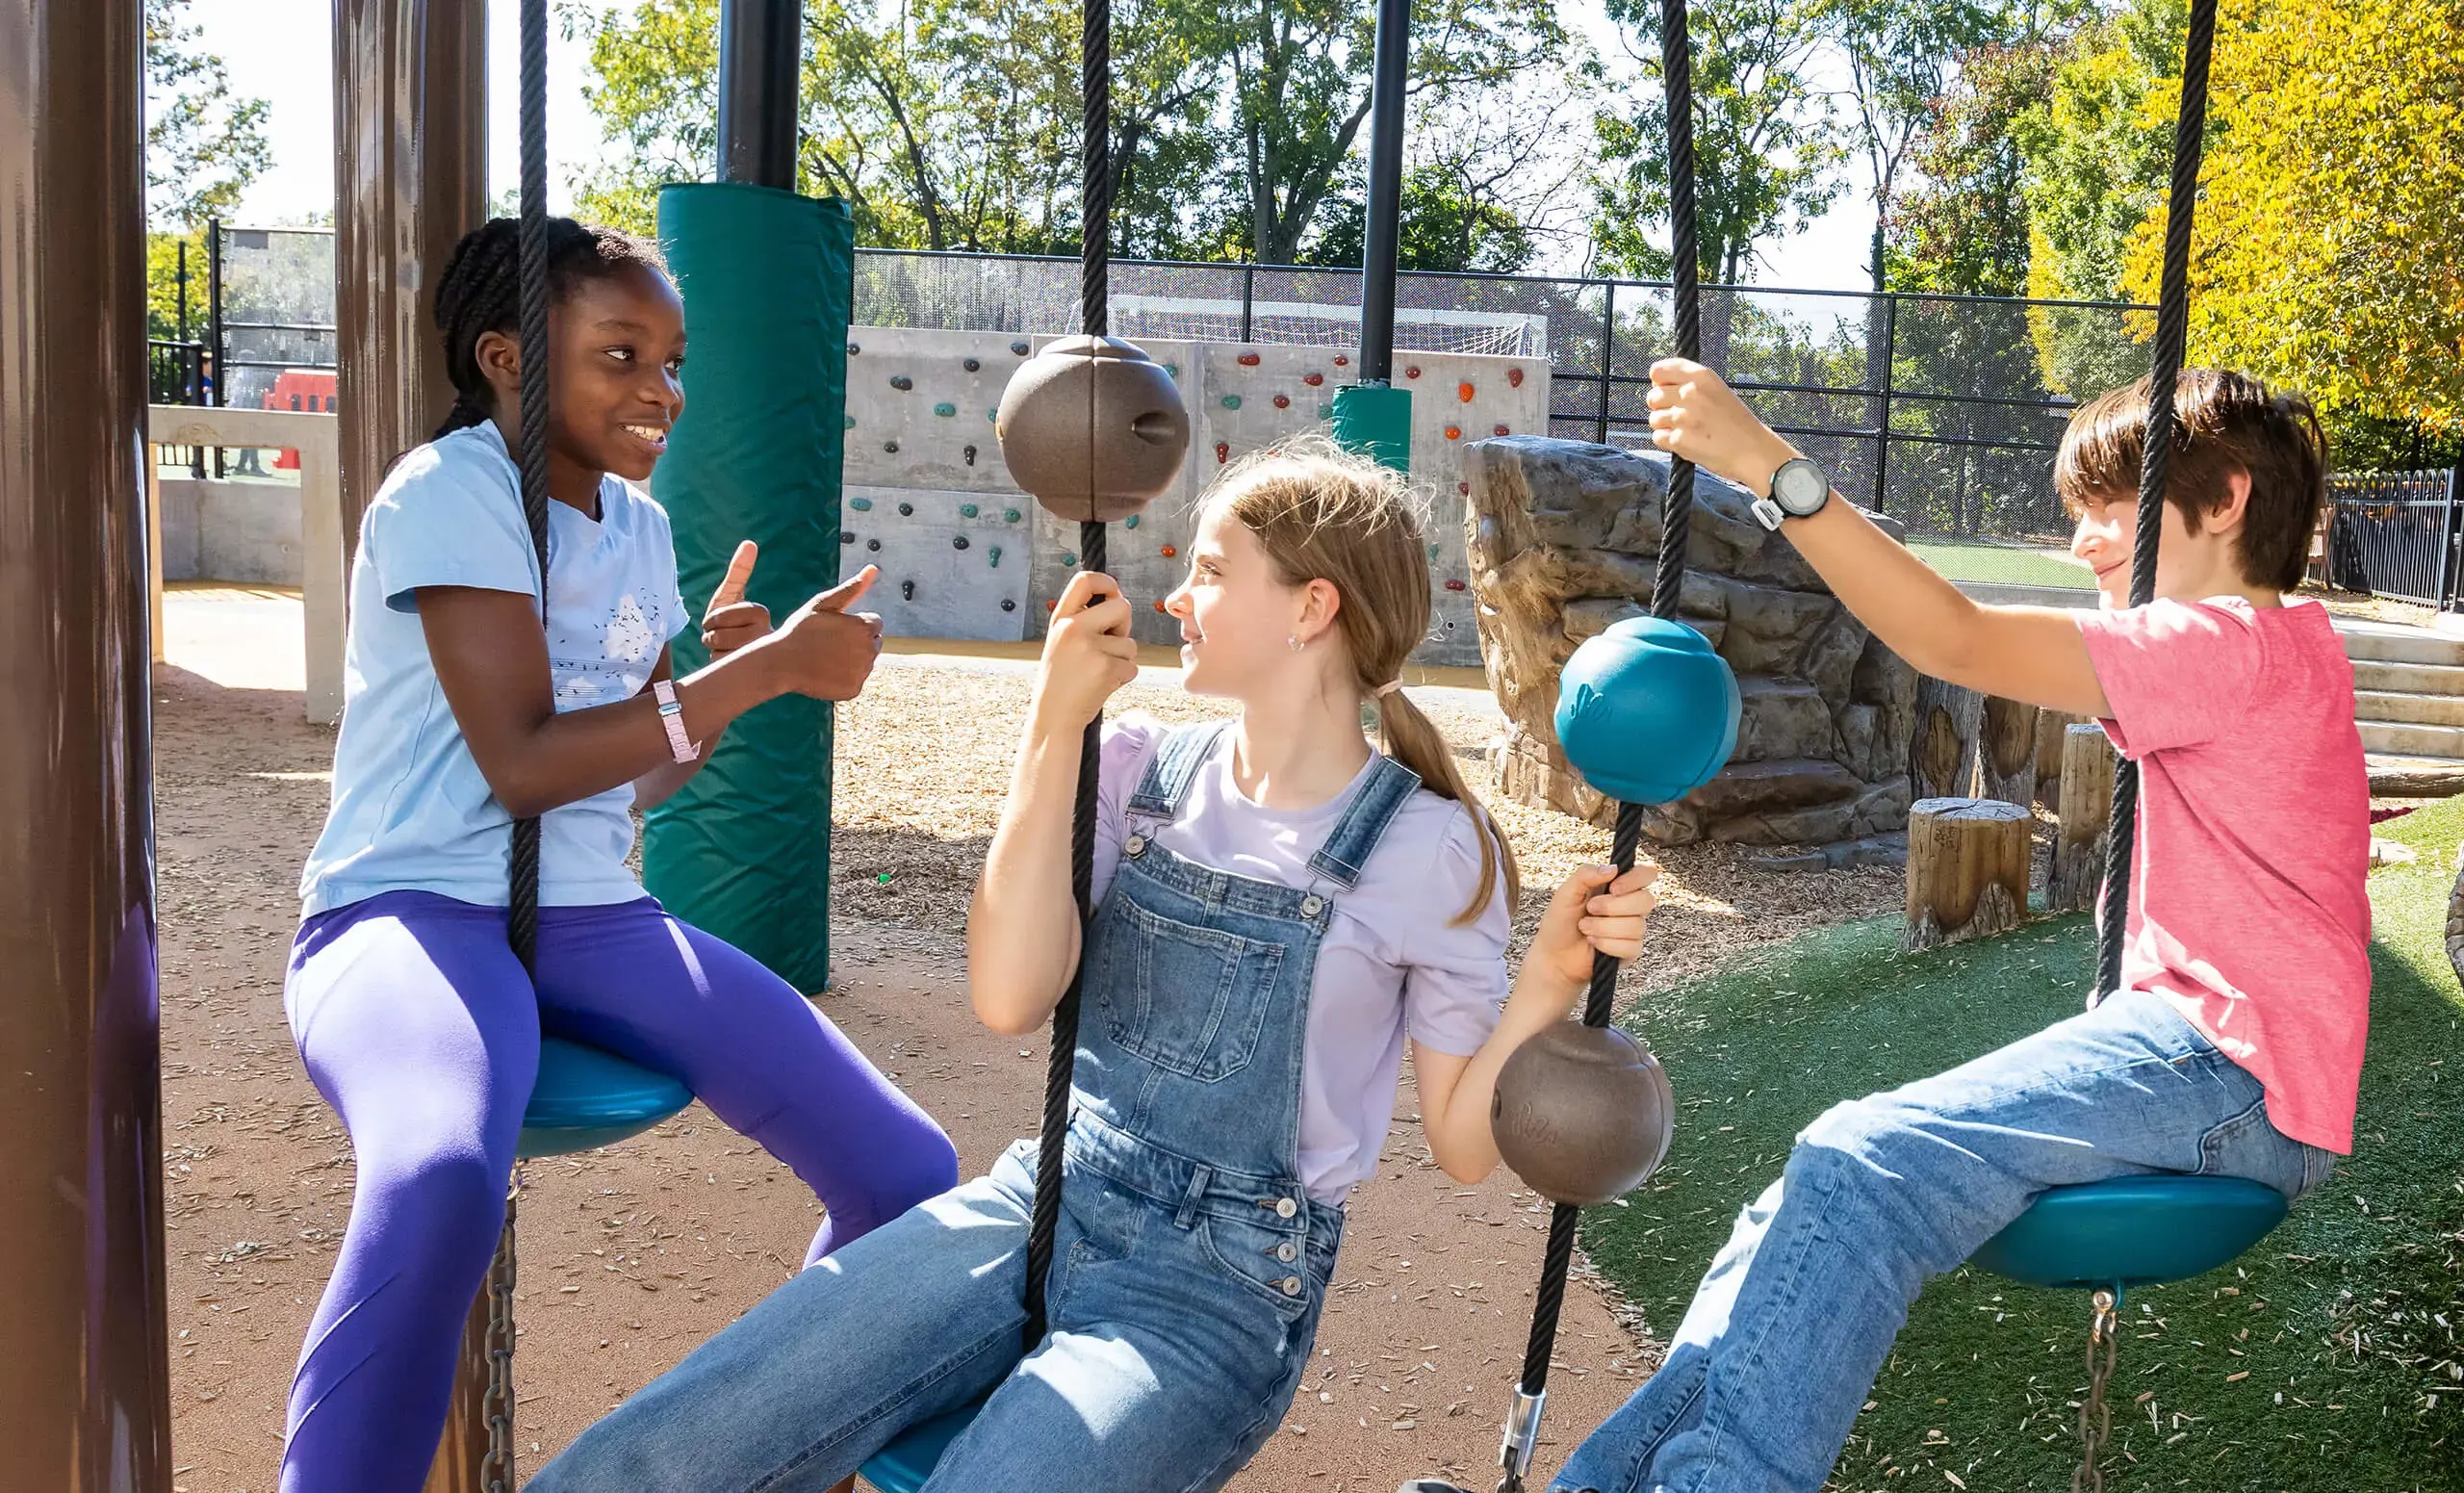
[{"x": 2330, "y": 249}]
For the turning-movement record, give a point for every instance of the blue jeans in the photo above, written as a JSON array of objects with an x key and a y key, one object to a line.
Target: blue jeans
[{"x": 1765, "y": 1376}]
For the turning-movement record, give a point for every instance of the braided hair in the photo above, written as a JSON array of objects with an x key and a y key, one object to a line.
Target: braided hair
[{"x": 480, "y": 292}]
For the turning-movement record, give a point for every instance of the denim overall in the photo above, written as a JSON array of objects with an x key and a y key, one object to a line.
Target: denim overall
[{"x": 1189, "y": 1270}]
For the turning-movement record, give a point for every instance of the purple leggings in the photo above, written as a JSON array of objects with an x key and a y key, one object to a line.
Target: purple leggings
[{"x": 421, "y": 1029}]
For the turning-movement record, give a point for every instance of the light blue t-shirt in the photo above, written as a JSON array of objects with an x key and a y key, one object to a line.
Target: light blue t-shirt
[{"x": 411, "y": 811}]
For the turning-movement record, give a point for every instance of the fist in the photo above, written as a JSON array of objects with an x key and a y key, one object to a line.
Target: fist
[
  {"x": 824, "y": 650},
  {"x": 1696, "y": 415},
  {"x": 1087, "y": 654},
  {"x": 1595, "y": 911}
]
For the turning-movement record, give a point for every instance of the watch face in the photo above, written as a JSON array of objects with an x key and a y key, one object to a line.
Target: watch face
[{"x": 1800, "y": 487}]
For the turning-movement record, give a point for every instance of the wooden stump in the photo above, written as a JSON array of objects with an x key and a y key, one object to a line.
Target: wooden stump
[
  {"x": 2006, "y": 752},
  {"x": 1942, "y": 752},
  {"x": 1968, "y": 870},
  {"x": 2086, "y": 810},
  {"x": 2050, "y": 725}
]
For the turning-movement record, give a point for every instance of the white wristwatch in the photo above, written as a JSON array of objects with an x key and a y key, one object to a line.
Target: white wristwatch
[
  {"x": 671, "y": 714},
  {"x": 1798, "y": 491}
]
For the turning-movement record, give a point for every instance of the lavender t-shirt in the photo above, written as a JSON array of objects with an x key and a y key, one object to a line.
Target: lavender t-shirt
[{"x": 1390, "y": 960}]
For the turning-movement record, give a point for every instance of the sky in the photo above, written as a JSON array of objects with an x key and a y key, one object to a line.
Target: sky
[{"x": 282, "y": 51}]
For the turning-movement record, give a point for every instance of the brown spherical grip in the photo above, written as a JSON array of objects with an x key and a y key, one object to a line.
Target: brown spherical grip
[
  {"x": 1093, "y": 429},
  {"x": 1583, "y": 1114}
]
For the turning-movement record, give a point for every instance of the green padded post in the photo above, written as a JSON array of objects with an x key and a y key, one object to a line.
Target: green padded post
[
  {"x": 1376, "y": 419},
  {"x": 768, "y": 279}
]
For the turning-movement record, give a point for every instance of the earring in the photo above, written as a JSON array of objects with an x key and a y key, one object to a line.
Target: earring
[{"x": 1295, "y": 641}]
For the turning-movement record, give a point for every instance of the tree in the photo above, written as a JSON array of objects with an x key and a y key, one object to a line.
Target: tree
[
  {"x": 1763, "y": 150},
  {"x": 202, "y": 147},
  {"x": 1963, "y": 229},
  {"x": 2330, "y": 255}
]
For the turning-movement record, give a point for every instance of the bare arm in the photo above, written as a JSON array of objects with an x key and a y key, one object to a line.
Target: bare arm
[
  {"x": 1022, "y": 933},
  {"x": 2030, "y": 653},
  {"x": 492, "y": 659}
]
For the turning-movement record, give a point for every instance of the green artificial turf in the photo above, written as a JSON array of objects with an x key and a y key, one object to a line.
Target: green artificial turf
[
  {"x": 2331, "y": 1357},
  {"x": 2003, "y": 564}
]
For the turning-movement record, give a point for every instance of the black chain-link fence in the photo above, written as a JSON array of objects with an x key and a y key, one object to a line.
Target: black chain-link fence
[{"x": 1942, "y": 411}]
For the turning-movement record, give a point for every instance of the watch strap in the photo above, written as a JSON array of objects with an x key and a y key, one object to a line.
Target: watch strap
[{"x": 671, "y": 714}]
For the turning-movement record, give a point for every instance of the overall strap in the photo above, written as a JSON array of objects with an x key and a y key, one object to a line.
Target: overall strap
[
  {"x": 1390, "y": 787},
  {"x": 1173, "y": 768}
]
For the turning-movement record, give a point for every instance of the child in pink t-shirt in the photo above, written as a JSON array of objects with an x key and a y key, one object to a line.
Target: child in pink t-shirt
[{"x": 2234, "y": 1046}]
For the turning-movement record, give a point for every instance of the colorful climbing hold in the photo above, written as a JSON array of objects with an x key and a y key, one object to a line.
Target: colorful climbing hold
[
  {"x": 1231, "y": 401},
  {"x": 860, "y": 505},
  {"x": 1463, "y": 391},
  {"x": 907, "y": 510},
  {"x": 994, "y": 415},
  {"x": 1068, "y": 559},
  {"x": 1171, "y": 370},
  {"x": 901, "y": 383},
  {"x": 1283, "y": 402},
  {"x": 851, "y": 422},
  {"x": 1158, "y": 605},
  {"x": 967, "y": 510},
  {"x": 1465, "y": 488},
  {"x": 1009, "y": 515},
  {"x": 1411, "y": 371},
  {"x": 1502, "y": 430},
  {"x": 1052, "y": 604},
  {"x": 1170, "y": 551},
  {"x": 1248, "y": 360},
  {"x": 1514, "y": 378},
  {"x": 1313, "y": 380},
  {"x": 945, "y": 409},
  {"x": 1222, "y": 451},
  {"x": 1454, "y": 585},
  {"x": 996, "y": 556},
  {"x": 1341, "y": 361},
  {"x": 1130, "y": 522},
  {"x": 971, "y": 365},
  {"x": 1432, "y": 552},
  {"x": 1454, "y": 433}
]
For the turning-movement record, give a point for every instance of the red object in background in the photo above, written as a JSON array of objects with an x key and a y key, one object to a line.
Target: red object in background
[
  {"x": 1412, "y": 372},
  {"x": 1514, "y": 378},
  {"x": 1222, "y": 451},
  {"x": 1170, "y": 551},
  {"x": 1454, "y": 585},
  {"x": 1502, "y": 430},
  {"x": 1463, "y": 391},
  {"x": 1248, "y": 360},
  {"x": 1341, "y": 361},
  {"x": 1159, "y": 606},
  {"x": 304, "y": 389},
  {"x": 1283, "y": 402},
  {"x": 2381, "y": 815},
  {"x": 1454, "y": 433},
  {"x": 1313, "y": 380},
  {"x": 1465, "y": 488}
]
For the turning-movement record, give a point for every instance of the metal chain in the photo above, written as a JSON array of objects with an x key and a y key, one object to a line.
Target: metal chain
[
  {"x": 495, "y": 1473},
  {"x": 2095, "y": 1417}
]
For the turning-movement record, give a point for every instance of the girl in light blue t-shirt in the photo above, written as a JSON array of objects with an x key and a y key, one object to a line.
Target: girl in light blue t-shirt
[{"x": 413, "y": 1016}]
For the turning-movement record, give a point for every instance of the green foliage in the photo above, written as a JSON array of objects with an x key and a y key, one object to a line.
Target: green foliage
[
  {"x": 1762, "y": 142},
  {"x": 163, "y": 284},
  {"x": 1963, "y": 229},
  {"x": 2328, "y": 241},
  {"x": 202, "y": 147},
  {"x": 1444, "y": 227},
  {"x": 2349, "y": 1310}
]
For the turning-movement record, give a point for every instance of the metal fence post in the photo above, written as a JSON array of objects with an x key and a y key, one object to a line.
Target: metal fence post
[
  {"x": 2447, "y": 543},
  {"x": 1248, "y": 294},
  {"x": 1607, "y": 356},
  {"x": 216, "y": 394},
  {"x": 1891, "y": 376}
]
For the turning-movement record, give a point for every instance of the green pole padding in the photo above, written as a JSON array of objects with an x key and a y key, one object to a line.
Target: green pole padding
[
  {"x": 1376, "y": 419},
  {"x": 768, "y": 280}
]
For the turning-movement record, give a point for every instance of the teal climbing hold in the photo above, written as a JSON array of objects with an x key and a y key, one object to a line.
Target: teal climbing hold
[
  {"x": 851, "y": 422},
  {"x": 1231, "y": 401},
  {"x": 996, "y": 556},
  {"x": 1432, "y": 552},
  {"x": 1130, "y": 522},
  {"x": 992, "y": 414},
  {"x": 1009, "y": 515},
  {"x": 967, "y": 510},
  {"x": 860, "y": 505},
  {"x": 945, "y": 409},
  {"x": 1068, "y": 559}
]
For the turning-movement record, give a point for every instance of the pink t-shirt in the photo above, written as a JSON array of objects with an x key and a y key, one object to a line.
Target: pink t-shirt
[
  {"x": 1389, "y": 960},
  {"x": 2247, "y": 905}
]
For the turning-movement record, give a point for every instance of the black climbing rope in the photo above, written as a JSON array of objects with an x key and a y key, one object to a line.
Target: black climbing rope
[
  {"x": 1094, "y": 230},
  {"x": 2156, "y": 450},
  {"x": 1668, "y": 582}
]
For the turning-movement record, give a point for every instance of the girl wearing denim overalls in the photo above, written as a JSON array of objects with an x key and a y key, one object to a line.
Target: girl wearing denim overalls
[{"x": 1279, "y": 907}]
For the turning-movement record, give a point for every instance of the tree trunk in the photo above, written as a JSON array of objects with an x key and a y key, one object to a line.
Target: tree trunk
[
  {"x": 1968, "y": 870},
  {"x": 1941, "y": 754},
  {"x": 2006, "y": 752},
  {"x": 2050, "y": 727},
  {"x": 2455, "y": 926},
  {"x": 2086, "y": 810},
  {"x": 2418, "y": 780}
]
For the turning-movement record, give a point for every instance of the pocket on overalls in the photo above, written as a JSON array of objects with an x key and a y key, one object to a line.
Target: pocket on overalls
[
  {"x": 1189, "y": 1000},
  {"x": 1272, "y": 1263}
]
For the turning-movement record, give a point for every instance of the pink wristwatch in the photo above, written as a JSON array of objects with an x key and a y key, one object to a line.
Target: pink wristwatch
[{"x": 671, "y": 714}]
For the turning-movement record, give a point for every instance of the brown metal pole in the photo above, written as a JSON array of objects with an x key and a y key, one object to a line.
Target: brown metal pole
[
  {"x": 85, "y": 1376},
  {"x": 410, "y": 177}
]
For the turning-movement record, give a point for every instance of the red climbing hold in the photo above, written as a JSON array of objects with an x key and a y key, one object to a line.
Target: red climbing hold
[
  {"x": 1313, "y": 380},
  {"x": 1454, "y": 433},
  {"x": 1465, "y": 488},
  {"x": 1159, "y": 606},
  {"x": 1514, "y": 378},
  {"x": 1170, "y": 551},
  {"x": 1248, "y": 360},
  {"x": 1222, "y": 450},
  {"x": 1502, "y": 430},
  {"x": 1454, "y": 585},
  {"x": 1463, "y": 391},
  {"x": 1052, "y": 606},
  {"x": 1341, "y": 361},
  {"x": 1283, "y": 402},
  {"x": 1411, "y": 371}
]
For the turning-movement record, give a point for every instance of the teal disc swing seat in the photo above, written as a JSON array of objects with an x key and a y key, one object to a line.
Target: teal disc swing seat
[
  {"x": 2132, "y": 1231},
  {"x": 586, "y": 1098}
]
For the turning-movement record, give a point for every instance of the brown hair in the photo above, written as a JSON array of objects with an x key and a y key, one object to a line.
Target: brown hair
[
  {"x": 2226, "y": 422},
  {"x": 1322, "y": 513}
]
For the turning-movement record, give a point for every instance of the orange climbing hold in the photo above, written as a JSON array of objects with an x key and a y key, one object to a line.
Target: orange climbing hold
[
  {"x": 1159, "y": 606},
  {"x": 1454, "y": 433},
  {"x": 1463, "y": 391},
  {"x": 1170, "y": 551}
]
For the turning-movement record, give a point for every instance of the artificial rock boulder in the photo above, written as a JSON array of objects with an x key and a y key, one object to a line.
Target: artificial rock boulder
[{"x": 1563, "y": 538}]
